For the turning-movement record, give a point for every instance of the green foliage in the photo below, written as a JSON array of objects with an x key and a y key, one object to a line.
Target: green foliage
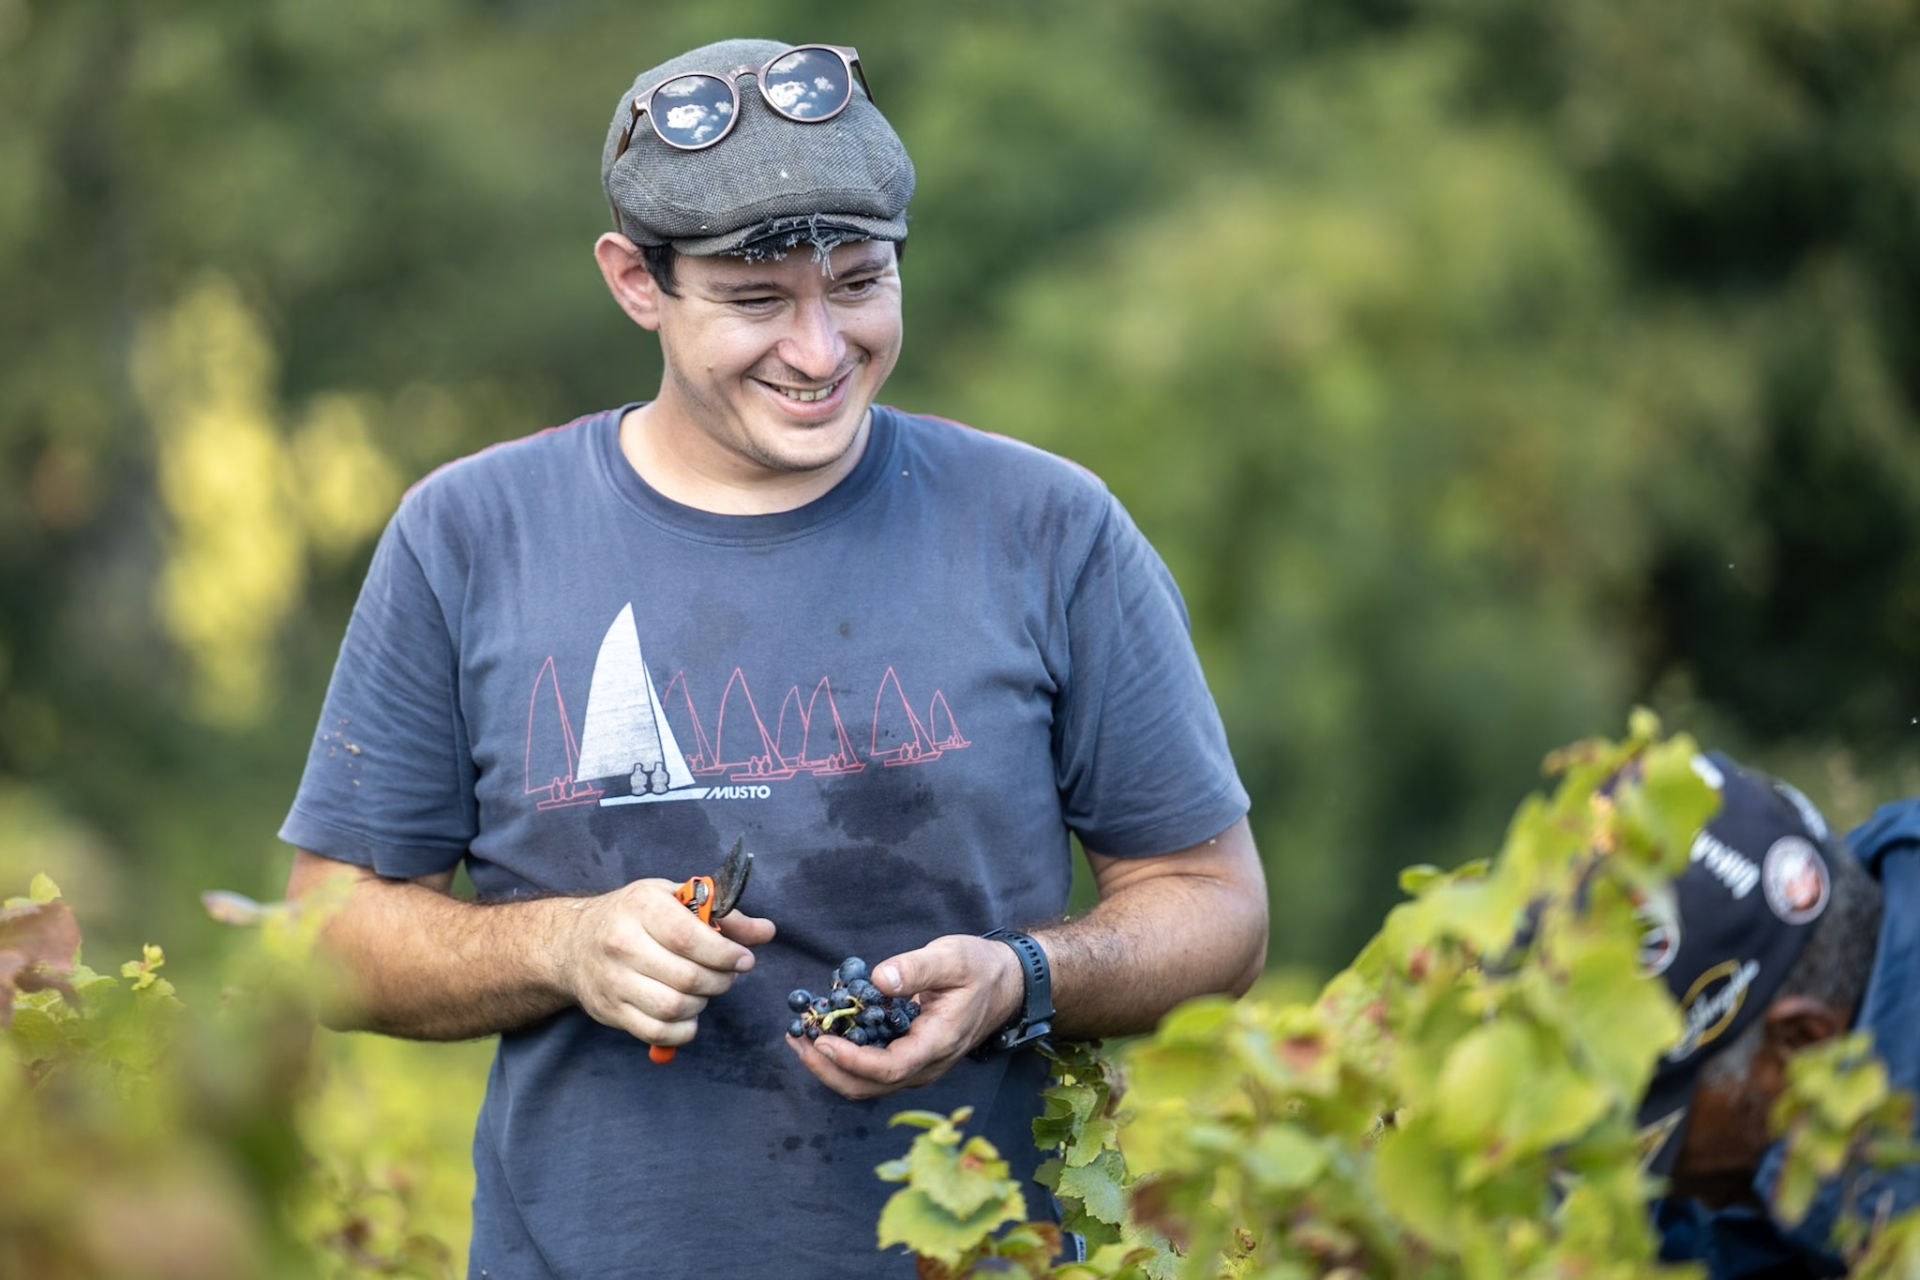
[
  {"x": 1479, "y": 367},
  {"x": 956, "y": 1195},
  {"x": 388, "y": 1126},
  {"x": 1458, "y": 1103},
  {"x": 1839, "y": 1120},
  {"x": 1080, "y": 1121},
  {"x": 142, "y": 1136}
]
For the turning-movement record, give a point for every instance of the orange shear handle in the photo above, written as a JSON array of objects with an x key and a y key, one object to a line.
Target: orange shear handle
[{"x": 696, "y": 895}]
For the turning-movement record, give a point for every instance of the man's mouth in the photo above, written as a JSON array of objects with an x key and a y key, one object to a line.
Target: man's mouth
[{"x": 795, "y": 393}]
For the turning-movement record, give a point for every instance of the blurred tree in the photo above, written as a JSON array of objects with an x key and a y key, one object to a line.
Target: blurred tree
[{"x": 1480, "y": 366}]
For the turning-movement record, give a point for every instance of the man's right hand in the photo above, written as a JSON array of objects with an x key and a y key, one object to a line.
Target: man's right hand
[
  {"x": 637, "y": 959},
  {"x": 423, "y": 964}
]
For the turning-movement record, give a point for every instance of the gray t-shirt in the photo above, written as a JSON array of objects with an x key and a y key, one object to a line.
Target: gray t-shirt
[{"x": 906, "y": 694}]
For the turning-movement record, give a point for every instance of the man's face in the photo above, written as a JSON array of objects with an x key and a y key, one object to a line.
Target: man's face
[
  {"x": 776, "y": 362},
  {"x": 1726, "y": 1134}
]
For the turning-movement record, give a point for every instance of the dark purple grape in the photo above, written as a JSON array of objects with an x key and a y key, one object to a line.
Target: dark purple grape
[
  {"x": 799, "y": 1000},
  {"x": 913, "y": 1008},
  {"x": 896, "y": 1021},
  {"x": 821, "y": 1006},
  {"x": 813, "y": 1031},
  {"x": 870, "y": 1018},
  {"x": 841, "y": 999},
  {"x": 857, "y": 1035},
  {"x": 865, "y": 992},
  {"x": 796, "y": 1028},
  {"x": 851, "y": 970}
]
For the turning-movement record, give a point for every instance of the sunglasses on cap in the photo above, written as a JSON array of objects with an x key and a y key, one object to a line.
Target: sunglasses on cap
[{"x": 807, "y": 85}]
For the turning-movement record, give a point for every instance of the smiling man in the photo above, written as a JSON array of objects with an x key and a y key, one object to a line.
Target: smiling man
[{"x": 907, "y": 662}]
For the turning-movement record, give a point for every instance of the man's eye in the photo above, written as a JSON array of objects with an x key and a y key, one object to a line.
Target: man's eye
[
  {"x": 754, "y": 304},
  {"x": 860, "y": 288}
]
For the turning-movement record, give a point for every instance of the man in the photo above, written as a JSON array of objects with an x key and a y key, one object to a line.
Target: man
[
  {"x": 907, "y": 662},
  {"x": 1781, "y": 940}
]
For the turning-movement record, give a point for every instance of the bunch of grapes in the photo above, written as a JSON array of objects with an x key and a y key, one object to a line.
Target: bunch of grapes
[{"x": 853, "y": 1008}]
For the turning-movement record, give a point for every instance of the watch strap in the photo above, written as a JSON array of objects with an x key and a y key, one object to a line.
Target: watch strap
[{"x": 1034, "y": 1018}]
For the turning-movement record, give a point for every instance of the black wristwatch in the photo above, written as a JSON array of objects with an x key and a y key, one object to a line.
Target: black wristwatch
[{"x": 1034, "y": 1018}]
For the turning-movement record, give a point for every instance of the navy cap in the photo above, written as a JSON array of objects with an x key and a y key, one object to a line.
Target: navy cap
[{"x": 1738, "y": 918}]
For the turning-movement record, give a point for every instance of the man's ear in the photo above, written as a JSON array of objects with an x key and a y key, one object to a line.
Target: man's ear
[
  {"x": 628, "y": 280},
  {"x": 1794, "y": 1022}
]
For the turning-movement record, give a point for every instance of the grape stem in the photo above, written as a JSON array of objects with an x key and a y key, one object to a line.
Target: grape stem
[{"x": 826, "y": 1023}]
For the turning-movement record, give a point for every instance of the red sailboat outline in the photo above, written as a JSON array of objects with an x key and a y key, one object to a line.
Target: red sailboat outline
[
  {"x": 843, "y": 760},
  {"x": 709, "y": 759},
  {"x": 560, "y": 792},
  {"x": 922, "y": 749}
]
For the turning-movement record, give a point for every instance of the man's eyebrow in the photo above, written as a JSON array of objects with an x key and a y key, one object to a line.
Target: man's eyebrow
[
  {"x": 740, "y": 288},
  {"x": 871, "y": 262},
  {"x": 744, "y": 288}
]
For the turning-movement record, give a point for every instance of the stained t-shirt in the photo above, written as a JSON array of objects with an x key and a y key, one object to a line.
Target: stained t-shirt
[{"x": 905, "y": 695}]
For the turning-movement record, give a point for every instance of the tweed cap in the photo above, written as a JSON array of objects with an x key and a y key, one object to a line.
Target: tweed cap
[{"x": 769, "y": 184}]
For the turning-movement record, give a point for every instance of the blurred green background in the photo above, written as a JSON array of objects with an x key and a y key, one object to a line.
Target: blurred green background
[{"x": 1481, "y": 367}]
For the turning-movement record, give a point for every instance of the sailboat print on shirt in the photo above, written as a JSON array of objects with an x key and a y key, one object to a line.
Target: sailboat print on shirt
[{"x": 626, "y": 731}]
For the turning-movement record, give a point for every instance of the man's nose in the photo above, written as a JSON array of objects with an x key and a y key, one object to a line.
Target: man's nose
[{"x": 814, "y": 346}]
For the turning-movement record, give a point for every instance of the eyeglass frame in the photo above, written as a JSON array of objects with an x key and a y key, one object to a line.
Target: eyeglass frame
[{"x": 642, "y": 102}]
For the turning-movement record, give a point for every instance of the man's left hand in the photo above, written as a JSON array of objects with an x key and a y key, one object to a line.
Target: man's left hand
[{"x": 968, "y": 988}]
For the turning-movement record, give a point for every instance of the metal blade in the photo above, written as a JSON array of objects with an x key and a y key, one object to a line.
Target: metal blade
[{"x": 730, "y": 881}]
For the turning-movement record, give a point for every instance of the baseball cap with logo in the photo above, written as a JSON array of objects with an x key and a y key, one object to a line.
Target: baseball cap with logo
[
  {"x": 1741, "y": 912},
  {"x": 771, "y": 182}
]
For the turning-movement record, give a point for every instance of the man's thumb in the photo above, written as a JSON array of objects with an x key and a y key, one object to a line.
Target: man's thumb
[{"x": 936, "y": 965}]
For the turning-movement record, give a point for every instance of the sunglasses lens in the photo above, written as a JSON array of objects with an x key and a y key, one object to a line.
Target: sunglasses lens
[
  {"x": 808, "y": 84},
  {"x": 691, "y": 111}
]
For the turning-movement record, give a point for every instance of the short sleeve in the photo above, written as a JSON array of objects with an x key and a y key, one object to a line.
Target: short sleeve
[
  {"x": 1142, "y": 759},
  {"x": 389, "y": 777}
]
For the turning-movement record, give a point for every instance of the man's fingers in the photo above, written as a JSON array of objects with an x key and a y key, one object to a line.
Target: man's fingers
[
  {"x": 748, "y": 931},
  {"x": 856, "y": 1072},
  {"x": 940, "y": 964},
  {"x": 646, "y": 1009},
  {"x": 681, "y": 932},
  {"x": 647, "y": 997},
  {"x": 898, "y": 1064},
  {"x": 827, "y": 1073}
]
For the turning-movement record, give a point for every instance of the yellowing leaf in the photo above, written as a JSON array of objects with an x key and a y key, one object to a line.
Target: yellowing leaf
[
  {"x": 962, "y": 1179},
  {"x": 915, "y": 1219}
]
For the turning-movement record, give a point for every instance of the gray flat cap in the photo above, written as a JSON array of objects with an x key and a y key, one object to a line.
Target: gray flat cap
[{"x": 769, "y": 184}]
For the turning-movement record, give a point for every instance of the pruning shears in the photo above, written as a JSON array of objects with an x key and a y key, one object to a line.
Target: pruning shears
[{"x": 711, "y": 897}]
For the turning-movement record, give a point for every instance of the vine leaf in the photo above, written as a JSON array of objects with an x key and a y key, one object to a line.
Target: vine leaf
[
  {"x": 1097, "y": 1185},
  {"x": 915, "y": 1219},
  {"x": 39, "y": 946}
]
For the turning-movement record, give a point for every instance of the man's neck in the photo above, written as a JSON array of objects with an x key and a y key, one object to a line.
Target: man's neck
[{"x": 689, "y": 467}]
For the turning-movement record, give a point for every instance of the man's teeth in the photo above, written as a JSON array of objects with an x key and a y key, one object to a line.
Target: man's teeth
[{"x": 821, "y": 394}]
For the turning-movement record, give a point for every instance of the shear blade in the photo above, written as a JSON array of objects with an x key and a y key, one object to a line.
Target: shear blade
[{"x": 730, "y": 881}]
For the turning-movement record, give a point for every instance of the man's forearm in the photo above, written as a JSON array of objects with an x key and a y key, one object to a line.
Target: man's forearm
[
  {"x": 420, "y": 964},
  {"x": 1164, "y": 931}
]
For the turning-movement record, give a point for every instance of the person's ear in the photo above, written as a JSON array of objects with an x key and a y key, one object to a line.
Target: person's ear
[
  {"x": 628, "y": 279},
  {"x": 1794, "y": 1022}
]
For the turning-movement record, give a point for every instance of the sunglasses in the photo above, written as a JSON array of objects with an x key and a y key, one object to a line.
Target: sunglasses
[{"x": 807, "y": 85}]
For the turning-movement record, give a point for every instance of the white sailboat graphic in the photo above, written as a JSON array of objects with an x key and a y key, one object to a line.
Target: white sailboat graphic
[{"x": 626, "y": 731}]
